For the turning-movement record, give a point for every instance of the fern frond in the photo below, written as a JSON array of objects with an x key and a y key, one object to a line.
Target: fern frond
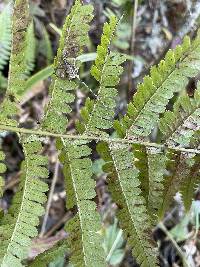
[
  {"x": 19, "y": 225},
  {"x": 8, "y": 108},
  {"x": 72, "y": 41},
  {"x": 17, "y": 67},
  {"x": 16, "y": 83},
  {"x": 179, "y": 166},
  {"x": 151, "y": 162},
  {"x": 43, "y": 259},
  {"x": 179, "y": 126},
  {"x": 5, "y": 37},
  {"x": 152, "y": 96},
  {"x": 85, "y": 240},
  {"x": 191, "y": 183},
  {"x": 106, "y": 71},
  {"x": 124, "y": 185}
]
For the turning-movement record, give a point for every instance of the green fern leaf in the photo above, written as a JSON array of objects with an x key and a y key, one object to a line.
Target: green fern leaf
[
  {"x": 85, "y": 241},
  {"x": 179, "y": 165},
  {"x": 191, "y": 183},
  {"x": 179, "y": 126},
  {"x": 99, "y": 115},
  {"x": 8, "y": 108},
  {"x": 124, "y": 185},
  {"x": 19, "y": 225},
  {"x": 17, "y": 67},
  {"x": 5, "y": 37},
  {"x": 72, "y": 41},
  {"x": 152, "y": 96},
  {"x": 151, "y": 162}
]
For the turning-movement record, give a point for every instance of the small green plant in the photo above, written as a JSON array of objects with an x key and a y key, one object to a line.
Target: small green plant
[{"x": 142, "y": 176}]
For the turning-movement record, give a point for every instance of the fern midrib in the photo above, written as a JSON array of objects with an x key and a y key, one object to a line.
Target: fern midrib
[
  {"x": 77, "y": 202},
  {"x": 157, "y": 89},
  {"x": 127, "y": 205},
  {"x": 181, "y": 123},
  {"x": 20, "y": 211},
  {"x": 149, "y": 182}
]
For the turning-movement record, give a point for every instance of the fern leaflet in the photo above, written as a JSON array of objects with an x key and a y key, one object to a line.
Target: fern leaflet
[
  {"x": 179, "y": 165},
  {"x": 151, "y": 162},
  {"x": 17, "y": 67},
  {"x": 179, "y": 126},
  {"x": 152, "y": 96},
  {"x": 72, "y": 41},
  {"x": 191, "y": 183},
  {"x": 19, "y": 225},
  {"x": 85, "y": 241},
  {"x": 98, "y": 115},
  {"x": 124, "y": 185}
]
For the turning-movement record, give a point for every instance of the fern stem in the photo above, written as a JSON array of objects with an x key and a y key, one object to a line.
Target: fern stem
[
  {"x": 180, "y": 252},
  {"x": 94, "y": 138}
]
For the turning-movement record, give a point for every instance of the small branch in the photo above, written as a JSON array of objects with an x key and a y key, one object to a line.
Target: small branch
[
  {"x": 13, "y": 182},
  {"x": 180, "y": 252},
  {"x": 134, "y": 24},
  {"x": 95, "y": 138},
  {"x": 50, "y": 198},
  {"x": 64, "y": 219},
  {"x": 132, "y": 43}
]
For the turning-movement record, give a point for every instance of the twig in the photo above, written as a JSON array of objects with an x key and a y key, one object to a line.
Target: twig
[
  {"x": 134, "y": 24},
  {"x": 180, "y": 252},
  {"x": 132, "y": 43},
  {"x": 65, "y": 218},
  {"x": 13, "y": 182},
  {"x": 50, "y": 198}
]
